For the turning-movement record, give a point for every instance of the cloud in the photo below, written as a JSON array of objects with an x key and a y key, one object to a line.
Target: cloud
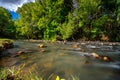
[
  {"x": 10, "y": 1},
  {"x": 13, "y": 4}
]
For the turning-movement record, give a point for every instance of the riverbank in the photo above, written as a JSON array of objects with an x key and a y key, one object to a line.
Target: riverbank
[{"x": 5, "y": 44}]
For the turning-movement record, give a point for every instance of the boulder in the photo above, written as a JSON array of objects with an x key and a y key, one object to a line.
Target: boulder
[{"x": 7, "y": 44}]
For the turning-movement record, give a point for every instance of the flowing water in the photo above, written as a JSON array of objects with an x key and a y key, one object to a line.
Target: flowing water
[{"x": 66, "y": 59}]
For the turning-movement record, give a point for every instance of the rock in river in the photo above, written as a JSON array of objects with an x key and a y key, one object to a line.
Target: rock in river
[{"x": 7, "y": 44}]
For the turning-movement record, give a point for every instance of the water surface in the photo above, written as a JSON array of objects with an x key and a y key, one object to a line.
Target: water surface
[{"x": 65, "y": 60}]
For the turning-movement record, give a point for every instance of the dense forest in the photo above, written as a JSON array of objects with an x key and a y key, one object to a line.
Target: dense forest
[{"x": 64, "y": 20}]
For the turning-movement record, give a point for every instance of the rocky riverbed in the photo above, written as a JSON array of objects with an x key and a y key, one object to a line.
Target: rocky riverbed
[{"x": 63, "y": 58}]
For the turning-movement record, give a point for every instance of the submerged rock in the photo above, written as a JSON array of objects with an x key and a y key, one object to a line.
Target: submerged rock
[
  {"x": 87, "y": 62},
  {"x": 75, "y": 46},
  {"x": 20, "y": 52},
  {"x": 41, "y": 46},
  {"x": 42, "y": 50}
]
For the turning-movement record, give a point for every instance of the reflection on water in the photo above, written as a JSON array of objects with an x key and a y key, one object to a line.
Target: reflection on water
[{"x": 65, "y": 60}]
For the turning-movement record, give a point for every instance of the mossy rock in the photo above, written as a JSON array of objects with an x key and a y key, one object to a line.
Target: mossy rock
[{"x": 7, "y": 44}]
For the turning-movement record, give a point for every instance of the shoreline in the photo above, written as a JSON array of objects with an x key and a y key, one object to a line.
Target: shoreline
[
  {"x": 75, "y": 41},
  {"x": 5, "y": 44}
]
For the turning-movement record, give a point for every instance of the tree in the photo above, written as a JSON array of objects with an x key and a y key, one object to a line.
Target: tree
[
  {"x": 70, "y": 19},
  {"x": 44, "y": 16},
  {"x": 7, "y": 28},
  {"x": 85, "y": 13}
]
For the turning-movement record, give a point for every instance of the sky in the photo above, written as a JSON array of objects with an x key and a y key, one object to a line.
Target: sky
[
  {"x": 12, "y": 5},
  {"x": 14, "y": 15}
]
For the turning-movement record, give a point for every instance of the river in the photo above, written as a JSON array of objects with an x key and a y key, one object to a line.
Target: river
[{"x": 66, "y": 59}]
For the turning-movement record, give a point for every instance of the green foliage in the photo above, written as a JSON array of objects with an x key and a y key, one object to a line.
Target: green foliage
[
  {"x": 64, "y": 19},
  {"x": 85, "y": 13},
  {"x": 96, "y": 18},
  {"x": 99, "y": 26},
  {"x": 67, "y": 28},
  {"x": 43, "y": 18},
  {"x": 7, "y": 28}
]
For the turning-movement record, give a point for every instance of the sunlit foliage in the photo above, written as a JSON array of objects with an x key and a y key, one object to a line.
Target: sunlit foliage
[{"x": 65, "y": 20}]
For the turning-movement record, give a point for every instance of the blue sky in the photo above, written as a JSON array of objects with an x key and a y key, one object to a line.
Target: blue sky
[{"x": 14, "y": 15}]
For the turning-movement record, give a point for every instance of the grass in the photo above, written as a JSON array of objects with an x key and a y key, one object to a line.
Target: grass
[
  {"x": 11, "y": 74},
  {"x": 16, "y": 74}
]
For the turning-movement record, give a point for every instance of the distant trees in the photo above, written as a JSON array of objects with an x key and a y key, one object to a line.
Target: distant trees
[
  {"x": 7, "y": 28},
  {"x": 65, "y": 20}
]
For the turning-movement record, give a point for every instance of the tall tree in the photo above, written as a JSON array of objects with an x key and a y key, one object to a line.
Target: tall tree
[
  {"x": 7, "y": 28},
  {"x": 45, "y": 16}
]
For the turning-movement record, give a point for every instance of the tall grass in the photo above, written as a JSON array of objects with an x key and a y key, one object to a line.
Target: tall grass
[{"x": 17, "y": 74}]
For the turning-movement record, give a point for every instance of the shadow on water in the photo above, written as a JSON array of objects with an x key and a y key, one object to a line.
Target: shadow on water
[{"x": 65, "y": 60}]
